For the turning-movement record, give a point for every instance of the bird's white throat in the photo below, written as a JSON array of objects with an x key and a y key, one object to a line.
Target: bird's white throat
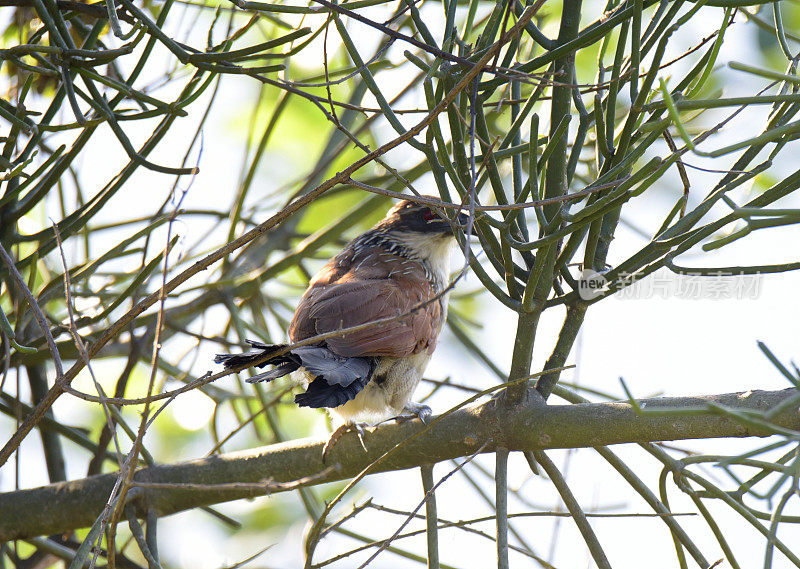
[{"x": 433, "y": 250}]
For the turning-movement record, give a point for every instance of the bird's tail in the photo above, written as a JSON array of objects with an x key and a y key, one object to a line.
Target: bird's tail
[
  {"x": 337, "y": 379},
  {"x": 284, "y": 363}
]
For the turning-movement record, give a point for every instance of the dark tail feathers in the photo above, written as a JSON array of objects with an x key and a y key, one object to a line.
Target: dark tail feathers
[
  {"x": 337, "y": 379},
  {"x": 284, "y": 364},
  {"x": 322, "y": 394}
]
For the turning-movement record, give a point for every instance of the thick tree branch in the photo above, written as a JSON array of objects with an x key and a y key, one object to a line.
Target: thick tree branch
[{"x": 65, "y": 506}]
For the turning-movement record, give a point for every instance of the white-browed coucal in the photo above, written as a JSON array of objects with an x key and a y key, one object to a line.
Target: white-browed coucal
[{"x": 396, "y": 272}]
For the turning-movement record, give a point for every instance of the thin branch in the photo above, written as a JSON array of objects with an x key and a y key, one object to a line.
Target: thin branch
[{"x": 37, "y": 311}]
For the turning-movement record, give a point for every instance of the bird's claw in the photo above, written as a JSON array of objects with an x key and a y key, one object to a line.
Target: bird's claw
[
  {"x": 357, "y": 428},
  {"x": 415, "y": 411}
]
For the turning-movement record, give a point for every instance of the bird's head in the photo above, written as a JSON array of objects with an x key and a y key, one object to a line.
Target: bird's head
[
  {"x": 422, "y": 231},
  {"x": 410, "y": 217}
]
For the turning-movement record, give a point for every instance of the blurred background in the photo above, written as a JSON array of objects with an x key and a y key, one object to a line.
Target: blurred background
[{"x": 102, "y": 143}]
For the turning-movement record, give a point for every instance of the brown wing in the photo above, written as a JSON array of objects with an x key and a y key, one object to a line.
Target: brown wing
[{"x": 371, "y": 286}]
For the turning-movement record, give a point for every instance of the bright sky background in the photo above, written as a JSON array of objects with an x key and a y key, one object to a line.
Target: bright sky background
[{"x": 660, "y": 346}]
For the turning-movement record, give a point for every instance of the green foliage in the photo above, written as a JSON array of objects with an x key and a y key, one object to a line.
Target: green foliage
[{"x": 123, "y": 121}]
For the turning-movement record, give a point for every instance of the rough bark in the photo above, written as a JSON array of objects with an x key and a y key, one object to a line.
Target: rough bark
[{"x": 66, "y": 506}]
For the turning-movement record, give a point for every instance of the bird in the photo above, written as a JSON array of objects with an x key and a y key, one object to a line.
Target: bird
[{"x": 391, "y": 285}]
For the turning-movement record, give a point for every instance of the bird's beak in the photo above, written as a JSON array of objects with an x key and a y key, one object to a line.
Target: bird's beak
[{"x": 448, "y": 225}]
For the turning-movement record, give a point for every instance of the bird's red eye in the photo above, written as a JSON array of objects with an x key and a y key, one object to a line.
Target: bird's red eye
[{"x": 428, "y": 215}]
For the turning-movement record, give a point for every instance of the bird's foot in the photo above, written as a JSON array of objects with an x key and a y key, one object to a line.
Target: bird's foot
[
  {"x": 415, "y": 411},
  {"x": 357, "y": 428}
]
